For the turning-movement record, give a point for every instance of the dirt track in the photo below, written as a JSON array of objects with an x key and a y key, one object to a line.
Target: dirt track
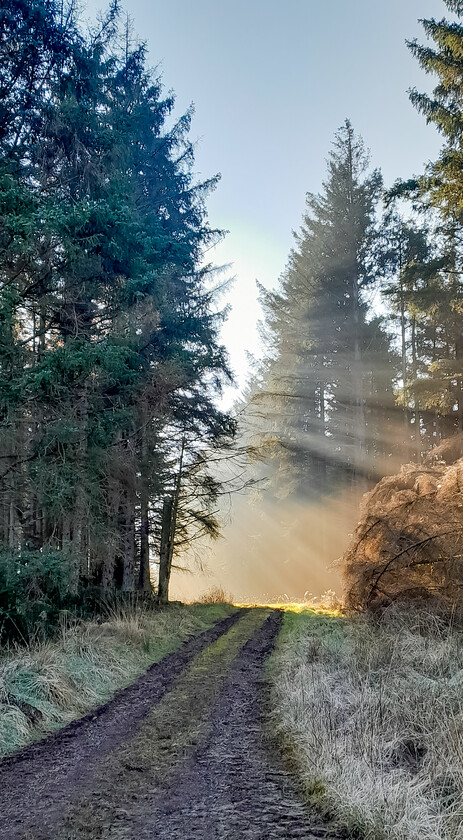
[{"x": 180, "y": 754}]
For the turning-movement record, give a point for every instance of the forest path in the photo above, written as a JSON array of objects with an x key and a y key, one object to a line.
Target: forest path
[{"x": 180, "y": 754}]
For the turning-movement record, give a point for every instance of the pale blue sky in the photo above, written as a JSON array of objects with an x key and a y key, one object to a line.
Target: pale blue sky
[{"x": 271, "y": 81}]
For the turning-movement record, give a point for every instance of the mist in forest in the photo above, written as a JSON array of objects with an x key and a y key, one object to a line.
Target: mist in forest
[
  {"x": 274, "y": 550},
  {"x": 323, "y": 415}
]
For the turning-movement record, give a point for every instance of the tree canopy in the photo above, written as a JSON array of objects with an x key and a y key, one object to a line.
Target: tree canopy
[{"x": 109, "y": 348}]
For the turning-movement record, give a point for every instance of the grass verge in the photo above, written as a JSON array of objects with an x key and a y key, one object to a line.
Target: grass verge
[
  {"x": 44, "y": 687},
  {"x": 370, "y": 713}
]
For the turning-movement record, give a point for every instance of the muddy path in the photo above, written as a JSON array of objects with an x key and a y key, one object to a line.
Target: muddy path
[
  {"x": 180, "y": 754},
  {"x": 234, "y": 786}
]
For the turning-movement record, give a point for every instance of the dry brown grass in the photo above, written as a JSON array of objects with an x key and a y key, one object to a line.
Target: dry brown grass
[
  {"x": 216, "y": 595},
  {"x": 371, "y": 712}
]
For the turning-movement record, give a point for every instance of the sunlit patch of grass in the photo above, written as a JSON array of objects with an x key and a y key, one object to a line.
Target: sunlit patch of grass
[
  {"x": 296, "y": 607},
  {"x": 47, "y": 685},
  {"x": 326, "y": 604},
  {"x": 291, "y": 607}
]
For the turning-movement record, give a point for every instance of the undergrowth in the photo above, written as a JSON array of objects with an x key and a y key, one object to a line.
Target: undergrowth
[
  {"x": 370, "y": 713},
  {"x": 48, "y": 684}
]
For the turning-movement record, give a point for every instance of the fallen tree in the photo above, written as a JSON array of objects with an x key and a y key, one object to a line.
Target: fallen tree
[{"x": 408, "y": 543}]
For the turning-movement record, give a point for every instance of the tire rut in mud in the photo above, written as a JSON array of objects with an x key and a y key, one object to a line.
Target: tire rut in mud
[
  {"x": 39, "y": 779},
  {"x": 234, "y": 787},
  {"x": 123, "y": 799}
]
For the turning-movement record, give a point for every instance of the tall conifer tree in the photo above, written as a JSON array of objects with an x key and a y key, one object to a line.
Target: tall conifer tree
[
  {"x": 108, "y": 329},
  {"x": 329, "y": 363},
  {"x": 438, "y": 298}
]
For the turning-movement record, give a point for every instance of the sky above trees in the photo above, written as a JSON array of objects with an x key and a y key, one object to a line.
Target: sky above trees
[{"x": 271, "y": 83}]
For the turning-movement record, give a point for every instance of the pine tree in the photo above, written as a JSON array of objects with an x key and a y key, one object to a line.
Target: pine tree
[
  {"x": 108, "y": 330},
  {"x": 442, "y": 184},
  {"x": 323, "y": 376},
  {"x": 408, "y": 268},
  {"x": 436, "y": 294}
]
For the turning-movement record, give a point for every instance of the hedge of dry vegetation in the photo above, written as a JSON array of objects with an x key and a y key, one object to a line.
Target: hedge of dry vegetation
[{"x": 369, "y": 704}]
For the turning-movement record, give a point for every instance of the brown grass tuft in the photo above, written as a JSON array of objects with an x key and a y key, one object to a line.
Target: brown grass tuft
[{"x": 216, "y": 595}]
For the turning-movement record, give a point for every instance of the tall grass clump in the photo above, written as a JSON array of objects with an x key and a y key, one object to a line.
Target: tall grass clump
[
  {"x": 45, "y": 685},
  {"x": 370, "y": 711},
  {"x": 216, "y": 595}
]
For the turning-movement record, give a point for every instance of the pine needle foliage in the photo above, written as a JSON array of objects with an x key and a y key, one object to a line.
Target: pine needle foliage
[
  {"x": 328, "y": 360},
  {"x": 108, "y": 321}
]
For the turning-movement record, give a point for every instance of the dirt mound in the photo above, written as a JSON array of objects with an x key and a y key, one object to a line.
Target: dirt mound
[{"x": 409, "y": 540}]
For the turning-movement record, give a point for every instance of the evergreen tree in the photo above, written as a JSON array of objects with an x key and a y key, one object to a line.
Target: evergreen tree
[
  {"x": 108, "y": 330},
  {"x": 329, "y": 368},
  {"x": 442, "y": 184},
  {"x": 434, "y": 291}
]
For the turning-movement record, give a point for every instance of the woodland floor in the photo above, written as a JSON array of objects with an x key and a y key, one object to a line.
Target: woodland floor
[{"x": 182, "y": 753}]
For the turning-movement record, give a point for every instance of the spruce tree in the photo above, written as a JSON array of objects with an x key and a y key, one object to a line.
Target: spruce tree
[
  {"x": 108, "y": 330},
  {"x": 323, "y": 376},
  {"x": 437, "y": 297},
  {"x": 442, "y": 184}
]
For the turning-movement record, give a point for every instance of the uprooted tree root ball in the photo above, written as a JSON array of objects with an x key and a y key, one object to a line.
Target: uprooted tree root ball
[{"x": 408, "y": 543}]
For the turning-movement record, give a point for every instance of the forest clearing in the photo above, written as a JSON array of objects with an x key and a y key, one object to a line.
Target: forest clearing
[{"x": 204, "y": 392}]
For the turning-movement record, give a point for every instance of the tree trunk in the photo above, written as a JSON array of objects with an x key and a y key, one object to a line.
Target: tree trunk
[
  {"x": 112, "y": 547},
  {"x": 128, "y": 543},
  {"x": 80, "y": 518},
  {"x": 12, "y": 523},
  {"x": 169, "y": 525},
  {"x": 144, "y": 580},
  {"x": 459, "y": 388},
  {"x": 322, "y": 421},
  {"x": 403, "y": 334},
  {"x": 359, "y": 411},
  {"x": 165, "y": 553},
  {"x": 359, "y": 430}
]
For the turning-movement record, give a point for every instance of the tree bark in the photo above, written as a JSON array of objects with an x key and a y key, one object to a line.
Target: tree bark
[
  {"x": 322, "y": 421},
  {"x": 169, "y": 525},
  {"x": 128, "y": 543},
  {"x": 165, "y": 553},
  {"x": 359, "y": 430},
  {"x": 144, "y": 580}
]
